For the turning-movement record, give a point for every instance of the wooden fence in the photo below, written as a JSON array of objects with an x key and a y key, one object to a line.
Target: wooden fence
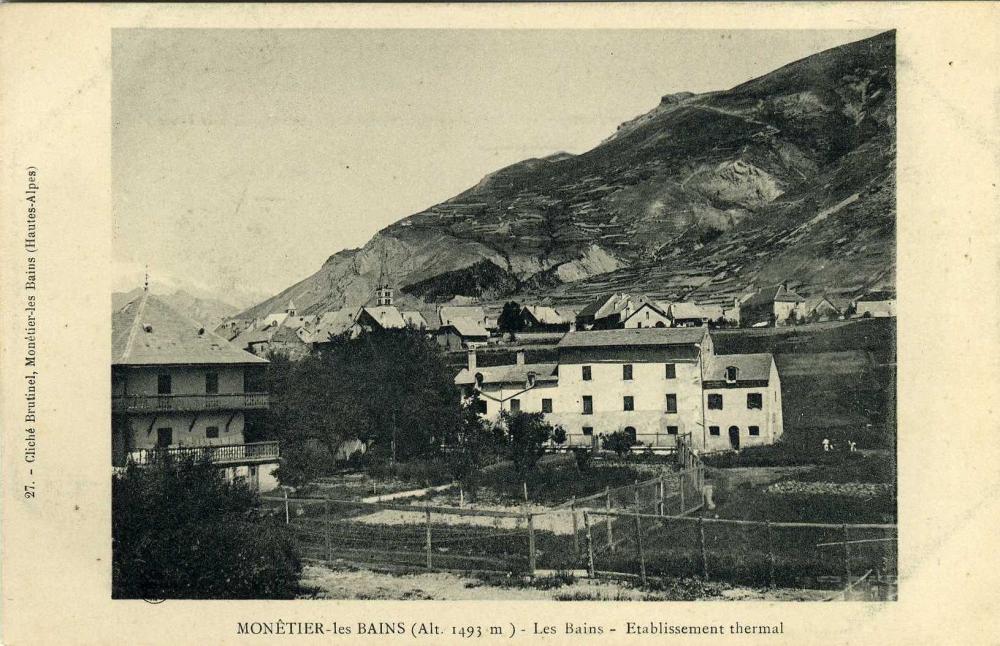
[{"x": 739, "y": 551}]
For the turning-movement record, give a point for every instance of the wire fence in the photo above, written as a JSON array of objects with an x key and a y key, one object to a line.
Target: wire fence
[
  {"x": 641, "y": 530},
  {"x": 757, "y": 553}
]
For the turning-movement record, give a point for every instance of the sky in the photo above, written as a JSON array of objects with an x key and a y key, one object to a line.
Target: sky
[{"x": 243, "y": 159}]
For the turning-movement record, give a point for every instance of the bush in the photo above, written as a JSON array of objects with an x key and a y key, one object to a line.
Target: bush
[
  {"x": 583, "y": 458},
  {"x": 180, "y": 531},
  {"x": 619, "y": 442}
]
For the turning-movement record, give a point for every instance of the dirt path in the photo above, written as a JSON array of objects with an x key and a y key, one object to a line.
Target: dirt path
[{"x": 347, "y": 583}]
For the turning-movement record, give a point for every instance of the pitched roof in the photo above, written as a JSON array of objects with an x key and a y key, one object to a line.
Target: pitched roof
[
  {"x": 633, "y": 337},
  {"x": 147, "y": 331},
  {"x": 591, "y": 308},
  {"x": 773, "y": 294},
  {"x": 749, "y": 367},
  {"x": 273, "y": 319},
  {"x": 509, "y": 374},
  {"x": 651, "y": 305},
  {"x": 466, "y": 328},
  {"x": 332, "y": 323},
  {"x": 388, "y": 316},
  {"x": 295, "y": 322},
  {"x": 451, "y": 312},
  {"x": 814, "y": 302},
  {"x": 548, "y": 315},
  {"x": 414, "y": 319}
]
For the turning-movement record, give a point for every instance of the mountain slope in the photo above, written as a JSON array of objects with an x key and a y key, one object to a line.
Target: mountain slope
[
  {"x": 790, "y": 176},
  {"x": 208, "y": 312}
]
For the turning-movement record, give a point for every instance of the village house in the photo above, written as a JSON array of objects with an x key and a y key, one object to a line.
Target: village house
[
  {"x": 607, "y": 311},
  {"x": 274, "y": 338},
  {"x": 649, "y": 314},
  {"x": 823, "y": 308},
  {"x": 527, "y": 387},
  {"x": 180, "y": 390},
  {"x": 773, "y": 305},
  {"x": 653, "y": 384},
  {"x": 461, "y": 333},
  {"x": 876, "y": 304},
  {"x": 686, "y": 314},
  {"x": 541, "y": 318}
]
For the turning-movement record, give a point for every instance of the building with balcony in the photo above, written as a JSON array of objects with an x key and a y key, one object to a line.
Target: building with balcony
[
  {"x": 178, "y": 389},
  {"x": 653, "y": 384}
]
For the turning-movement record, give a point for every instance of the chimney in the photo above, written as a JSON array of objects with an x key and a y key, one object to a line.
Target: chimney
[
  {"x": 519, "y": 357},
  {"x": 472, "y": 360}
]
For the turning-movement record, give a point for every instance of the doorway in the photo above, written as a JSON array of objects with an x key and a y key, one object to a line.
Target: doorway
[{"x": 734, "y": 437}]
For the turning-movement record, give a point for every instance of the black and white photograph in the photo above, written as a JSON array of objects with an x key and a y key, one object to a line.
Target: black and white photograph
[{"x": 551, "y": 314}]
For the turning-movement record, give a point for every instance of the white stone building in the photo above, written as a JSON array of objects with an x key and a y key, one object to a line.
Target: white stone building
[
  {"x": 651, "y": 383},
  {"x": 178, "y": 389}
]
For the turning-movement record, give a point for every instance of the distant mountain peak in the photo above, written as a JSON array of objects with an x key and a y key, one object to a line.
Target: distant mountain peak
[{"x": 698, "y": 198}]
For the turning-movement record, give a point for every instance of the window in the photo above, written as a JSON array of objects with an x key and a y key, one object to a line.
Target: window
[
  {"x": 211, "y": 432},
  {"x": 732, "y": 373},
  {"x": 531, "y": 380},
  {"x": 630, "y": 434},
  {"x": 715, "y": 402},
  {"x": 211, "y": 383},
  {"x": 671, "y": 371},
  {"x": 515, "y": 405},
  {"x": 713, "y": 430},
  {"x": 672, "y": 430},
  {"x": 627, "y": 372},
  {"x": 586, "y": 373},
  {"x": 754, "y": 430},
  {"x": 588, "y": 405},
  {"x": 546, "y": 405},
  {"x": 671, "y": 403},
  {"x": 481, "y": 406},
  {"x": 588, "y": 430},
  {"x": 628, "y": 403},
  {"x": 164, "y": 437},
  {"x": 755, "y": 400},
  {"x": 163, "y": 384}
]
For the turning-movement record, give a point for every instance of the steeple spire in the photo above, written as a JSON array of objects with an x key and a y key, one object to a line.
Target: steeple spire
[{"x": 383, "y": 291}]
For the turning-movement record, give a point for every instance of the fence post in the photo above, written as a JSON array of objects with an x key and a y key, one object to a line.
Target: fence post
[
  {"x": 607, "y": 505},
  {"x": 576, "y": 536},
  {"x": 326, "y": 529},
  {"x": 847, "y": 558},
  {"x": 704, "y": 552},
  {"x": 286, "y": 505},
  {"x": 680, "y": 486},
  {"x": 531, "y": 544},
  {"x": 660, "y": 494},
  {"x": 525, "y": 484},
  {"x": 590, "y": 545},
  {"x": 770, "y": 553},
  {"x": 461, "y": 496},
  {"x": 427, "y": 511},
  {"x": 638, "y": 543}
]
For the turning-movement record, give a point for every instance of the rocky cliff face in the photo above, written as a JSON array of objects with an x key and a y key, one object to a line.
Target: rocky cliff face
[{"x": 790, "y": 176}]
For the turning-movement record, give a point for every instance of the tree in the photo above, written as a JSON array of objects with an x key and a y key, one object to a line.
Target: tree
[
  {"x": 474, "y": 444},
  {"x": 180, "y": 531},
  {"x": 389, "y": 390},
  {"x": 510, "y": 320},
  {"x": 558, "y": 435},
  {"x": 619, "y": 442},
  {"x": 526, "y": 435}
]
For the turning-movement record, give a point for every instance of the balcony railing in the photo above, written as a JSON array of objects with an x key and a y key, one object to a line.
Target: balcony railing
[
  {"x": 192, "y": 403},
  {"x": 217, "y": 454}
]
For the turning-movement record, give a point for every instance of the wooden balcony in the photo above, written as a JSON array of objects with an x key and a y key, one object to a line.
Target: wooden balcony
[
  {"x": 221, "y": 454},
  {"x": 188, "y": 403}
]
